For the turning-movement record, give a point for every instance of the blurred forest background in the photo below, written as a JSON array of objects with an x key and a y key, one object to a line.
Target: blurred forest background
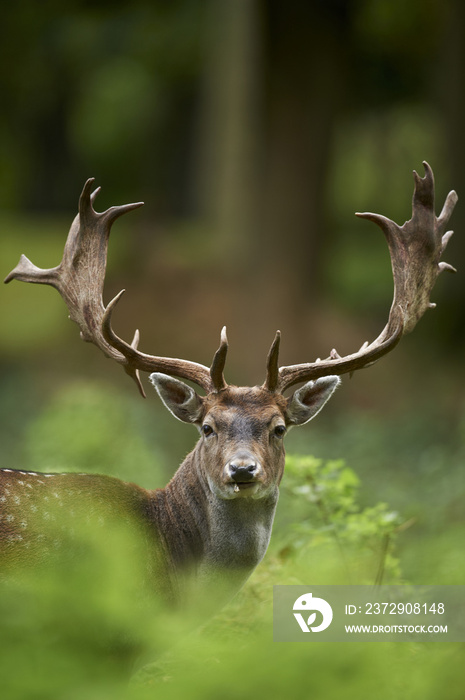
[{"x": 253, "y": 130}]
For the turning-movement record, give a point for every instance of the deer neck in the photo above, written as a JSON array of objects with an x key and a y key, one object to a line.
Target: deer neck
[{"x": 208, "y": 537}]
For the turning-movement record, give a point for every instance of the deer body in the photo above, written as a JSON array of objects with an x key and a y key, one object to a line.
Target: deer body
[
  {"x": 214, "y": 518},
  {"x": 211, "y": 522}
]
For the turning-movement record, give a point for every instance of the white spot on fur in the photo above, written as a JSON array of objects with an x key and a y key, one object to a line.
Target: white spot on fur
[{"x": 14, "y": 538}]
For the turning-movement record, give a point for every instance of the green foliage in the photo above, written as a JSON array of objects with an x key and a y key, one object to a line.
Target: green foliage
[
  {"x": 326, "y": 515},
  {"x": 71, "y": 632},
  {"x": 208, "y": 665},
  {"x": 74, "y": 628}
]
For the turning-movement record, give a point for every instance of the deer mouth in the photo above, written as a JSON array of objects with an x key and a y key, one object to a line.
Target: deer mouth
[{"x": 239, "y": 487}]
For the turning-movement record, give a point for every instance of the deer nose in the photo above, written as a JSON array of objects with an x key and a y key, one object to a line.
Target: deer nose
[{"x": 241, "y": 470}]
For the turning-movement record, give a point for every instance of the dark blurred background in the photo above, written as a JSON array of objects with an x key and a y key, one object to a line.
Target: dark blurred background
[{"x": 253, "y": 131}]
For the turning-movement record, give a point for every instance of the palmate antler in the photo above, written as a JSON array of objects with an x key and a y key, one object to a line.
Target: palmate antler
[
  {"x": 79, "y": 278},
  {"x": 415, "y": 248}
]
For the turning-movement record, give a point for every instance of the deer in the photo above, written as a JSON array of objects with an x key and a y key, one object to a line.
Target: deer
[{"x": 214, "y": 518}]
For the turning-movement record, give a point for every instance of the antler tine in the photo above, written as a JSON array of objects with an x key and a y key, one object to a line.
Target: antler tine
[
  {"x": 80, "y": 279},
  {"x": 218, "y": 363},
  {"x": 272, "y": 367},
  {"x": 415, "y": 249}
]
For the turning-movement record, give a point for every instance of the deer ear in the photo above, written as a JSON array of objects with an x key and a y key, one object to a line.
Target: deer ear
[
  {"x": 305, "y": 403},
  {"x": 179, "y": 398}
]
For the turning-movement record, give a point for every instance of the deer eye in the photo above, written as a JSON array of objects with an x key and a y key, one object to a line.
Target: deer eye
[
  {"x": 280, "y": 431},
  {"x": 207, "y": 430}
]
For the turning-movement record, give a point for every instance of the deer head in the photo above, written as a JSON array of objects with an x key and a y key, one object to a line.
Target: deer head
[{"x": 242, "y": 430}]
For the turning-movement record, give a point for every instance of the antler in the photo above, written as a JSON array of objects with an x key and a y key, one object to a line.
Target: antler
[
  {"x": 415, "y": 249},
  {"x": 79, "y": 278}
]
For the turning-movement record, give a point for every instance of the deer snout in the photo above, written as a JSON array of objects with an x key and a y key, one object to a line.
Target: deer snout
[{"x": 242, "y": 468}]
